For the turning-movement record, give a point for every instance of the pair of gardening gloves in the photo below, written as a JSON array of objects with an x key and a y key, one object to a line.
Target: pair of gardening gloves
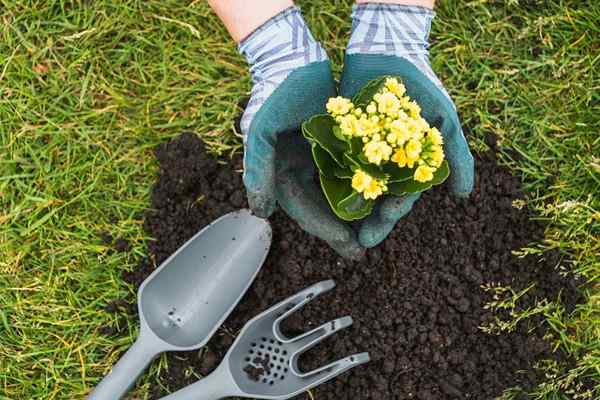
[{"x": 293, "y": 81}]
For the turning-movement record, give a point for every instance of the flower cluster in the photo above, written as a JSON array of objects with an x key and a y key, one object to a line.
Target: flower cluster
[
  {"x": 370, "y": 187},
  {"x": 392, "y": 131}
]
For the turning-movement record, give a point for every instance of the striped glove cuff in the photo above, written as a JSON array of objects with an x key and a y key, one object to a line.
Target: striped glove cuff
[
  {"x": 273, "y": 51},
  {"x": 393, "y": 30}
]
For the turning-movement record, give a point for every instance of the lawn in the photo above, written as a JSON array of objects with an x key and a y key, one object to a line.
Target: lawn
[{"x": 87, "y": 89}]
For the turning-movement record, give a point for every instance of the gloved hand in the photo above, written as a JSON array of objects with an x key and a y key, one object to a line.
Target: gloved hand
[
  {"x": 292, "y": 82},
  {"x": 391, "y": 39}
]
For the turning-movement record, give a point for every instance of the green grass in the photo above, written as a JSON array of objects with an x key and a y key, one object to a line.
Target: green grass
[{"x": 87, "y": 89}]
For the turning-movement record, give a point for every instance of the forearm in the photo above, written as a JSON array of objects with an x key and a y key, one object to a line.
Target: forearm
[
  {"x": 421, "y": 3},
  {"x": 241, "y": 18}
]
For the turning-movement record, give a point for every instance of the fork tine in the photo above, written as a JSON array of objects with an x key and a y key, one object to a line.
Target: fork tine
[
  {"x": 336, "y": 368},
  {"x": 296, "y": 302},
  {"x": 311, "y": 338}
]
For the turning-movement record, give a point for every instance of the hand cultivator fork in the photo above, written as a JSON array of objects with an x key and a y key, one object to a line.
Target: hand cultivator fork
[{"x": 263, "y": 362}]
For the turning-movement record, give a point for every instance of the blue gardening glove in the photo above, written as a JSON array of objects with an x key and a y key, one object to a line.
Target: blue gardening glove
[
  {"x": 292, "y": 82},
  {"x": 391, "y": 39}
]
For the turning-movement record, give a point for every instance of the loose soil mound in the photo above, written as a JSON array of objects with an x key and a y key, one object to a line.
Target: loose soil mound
[{"x": 417, "y": 300}]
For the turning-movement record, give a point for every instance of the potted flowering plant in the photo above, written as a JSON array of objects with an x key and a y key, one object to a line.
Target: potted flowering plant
[{"x": 373, "y": 145}]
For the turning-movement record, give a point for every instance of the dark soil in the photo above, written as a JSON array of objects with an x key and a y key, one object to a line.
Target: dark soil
[{"x": 417, "y": 300}]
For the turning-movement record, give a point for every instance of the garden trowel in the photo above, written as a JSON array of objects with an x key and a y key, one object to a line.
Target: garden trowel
[{"x": 183, "y": 302}]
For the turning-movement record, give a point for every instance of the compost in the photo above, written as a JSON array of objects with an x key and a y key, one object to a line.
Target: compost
[{"x": 417, "y": 299}]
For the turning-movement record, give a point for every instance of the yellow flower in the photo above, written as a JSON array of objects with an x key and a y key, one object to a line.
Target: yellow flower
[
  {"x": 366, "y": 127},
  {"x": 437, "y": 156},
  {"x": 413, "y": 149},
  {"x": 423, "y": 173},
  {"x": 422, "y": 124},
  {"x": 395, "y": 87},
  {"x": 399, "y": 158},
  {"x": 361, "y": 180},
  {"x": 349, "y": 125},
  {"x": 371, "y": 108},
  {"x": 401, "y": 131},
  {"x": 414, "y": 129},
  {"x": 405, "y": 102},
  {"x": 402, "y": 115},
  {"x": 339, "y": 105},
  {"x": 373, "y": 191},
  {"x": 391, "y": 138},
  {"x": 413, "y": 109},
  {"x": 377, "y": 151},
  {"x": 388, "y": 103},
  {"x": 435, "y": 135},
  {"x": 370, "y": 187}
]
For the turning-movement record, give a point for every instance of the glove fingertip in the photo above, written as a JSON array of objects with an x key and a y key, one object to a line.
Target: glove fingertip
[
  {"x": 462, "y": 178},
  {"x": 371, "y": 234},
  {"x": 397, "y": 207},
  {"x": 261, "y": 205},
  {"x": 349, "y": 249}
]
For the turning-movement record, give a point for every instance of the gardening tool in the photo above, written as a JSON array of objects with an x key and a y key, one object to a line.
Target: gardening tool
[
  {"x": 188, "y": 297},
  {"x": 263, "y": 362}
]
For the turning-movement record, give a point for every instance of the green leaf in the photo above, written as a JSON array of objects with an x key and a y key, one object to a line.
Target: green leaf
[
  {"x": 356, "y": 163},
  {"x": 356, "y": 206},
  {"x": 356, "y": 146},
  {"x": 335, "y": 190},
  {"x": 397, "y": 174},
  {"x": 337, "y": 132},
  {"x": 319, "y": 129},
  {"x": 412, "y": 186},
  {"x": 351, "y": 161},
  {"x": 325, "y": 163},
  {"x": 362, "y": 159},
  {"x": 365, "y": 95},
  {"x": 340, "y": 190},
  {"x": 401, "y": 188},
  {"x": 343, "y": 173}
]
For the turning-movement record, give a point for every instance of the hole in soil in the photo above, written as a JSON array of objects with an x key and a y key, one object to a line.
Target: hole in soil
[{"x": 419, "y": 295}]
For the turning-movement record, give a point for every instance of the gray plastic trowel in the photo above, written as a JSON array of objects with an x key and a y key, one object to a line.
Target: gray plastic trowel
[
  {"x": 183, "y": 302},
  {"x": 263, "y": 362}
]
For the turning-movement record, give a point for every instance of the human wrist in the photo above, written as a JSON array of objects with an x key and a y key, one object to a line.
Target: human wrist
[
  {"x": 419, "y": 3},
  {"x": 241, "y": 20}
]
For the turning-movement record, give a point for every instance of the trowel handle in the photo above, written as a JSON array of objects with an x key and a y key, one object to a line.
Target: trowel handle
[
  {"x": 125, "y": 372},
  {"x": 215, "y": 386}
]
